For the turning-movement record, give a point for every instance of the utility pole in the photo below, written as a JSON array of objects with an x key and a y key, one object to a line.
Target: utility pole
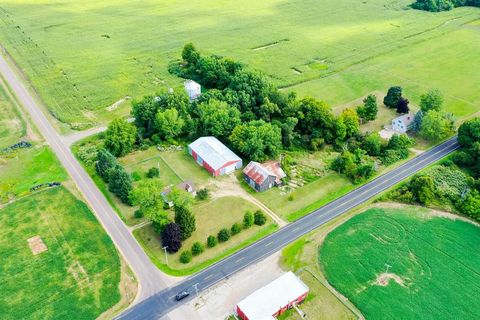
[
  {"x": 166, "y": 256},
  {"x": 196, "y": 288}
]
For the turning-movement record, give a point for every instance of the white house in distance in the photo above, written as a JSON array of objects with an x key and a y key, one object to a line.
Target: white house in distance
[
  {"x": 272, "y": 300},
  {"x": 214, "y": 156},
  {"x": 402, "y": 123},
  {"x": 194, "y": 90}
]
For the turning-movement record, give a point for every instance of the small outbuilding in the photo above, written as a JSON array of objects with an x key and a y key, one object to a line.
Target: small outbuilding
[
  {"x": 401, "y": 124},
  {"x": 273, "y": 299},
  {"x": 263, "y": 176},
  {"x": 186, "y": 186},
  {"x": 214, "y": 156},
  {"x": 194, "y": 90}
]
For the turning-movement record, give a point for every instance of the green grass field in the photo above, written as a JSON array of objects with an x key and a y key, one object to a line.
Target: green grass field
[
  {"x": 84, "y": 56},
  {"x": 211, "y": 216},
  {"x": 27, "y": 168},
  {"x": 405, "y": 263},
  {"x": 12, "y": 126},
  {"x": 76, "y": 278}
]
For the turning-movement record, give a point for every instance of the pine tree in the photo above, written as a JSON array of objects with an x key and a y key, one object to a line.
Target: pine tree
[
  {"x": 105, "y": 163},
  {"x": 120, "y": 183},
  {"x": 185, "y": 220}
]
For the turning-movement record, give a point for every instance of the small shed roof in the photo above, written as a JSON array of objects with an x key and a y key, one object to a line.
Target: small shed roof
[
  {"x": 259, "y": 172},
  {"x": 213, "y": 152},
  {"x": 266, "y": 301}
]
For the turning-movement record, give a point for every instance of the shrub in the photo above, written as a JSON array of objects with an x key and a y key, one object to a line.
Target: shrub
[
  {"x": 153, "y": 172},
  {"x": 202, "y": 194},
  {"x": 223, "y": 235},
  {"x": 235, "y": 229},
  {"x": 136, "y": 176},
  {"x": 197, "y": 248},
  {"x": 291, "y": 197},
  {"x": 211, "y": 241},
  {"x": 138, "y": 214},
  {"x": 260, "y": 218},
  {"x": 186, "y": 257},
  {"x": 248, "y": 219}
]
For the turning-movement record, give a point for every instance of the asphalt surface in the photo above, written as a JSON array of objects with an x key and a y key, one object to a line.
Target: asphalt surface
[
  {"x": 149, "y": 277},
  {"x": 163, "y": 302}
]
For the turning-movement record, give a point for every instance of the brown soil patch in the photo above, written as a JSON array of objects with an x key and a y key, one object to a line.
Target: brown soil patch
[
  {"x": 384, "y": 279},
  {"x": 37, "y": 245}
]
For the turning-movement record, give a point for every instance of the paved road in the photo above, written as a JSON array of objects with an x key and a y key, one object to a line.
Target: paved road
[
  {"x": 150, "y": 279},
  {"x": 160, "y": 304}
]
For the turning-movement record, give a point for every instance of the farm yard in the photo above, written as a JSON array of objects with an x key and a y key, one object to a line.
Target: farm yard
[
  {"x": 211, "y": 216},
  {"x": 334, "y": 51},
  {"x": 405, "y": 262},
  {"x": 77, "y": 274}
]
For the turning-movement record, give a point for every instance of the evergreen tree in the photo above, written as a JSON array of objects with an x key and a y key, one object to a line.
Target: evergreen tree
[
  {"x": 120, "y": 184},
  {"x": 402, "y": 105},
  {"x": 105, "y": 163},
  {"x": 185, "y": 220}
]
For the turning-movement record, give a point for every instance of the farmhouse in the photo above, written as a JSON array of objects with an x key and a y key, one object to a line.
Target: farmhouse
[
  {"x": 273, "y": 299},
  {"x": 214, "y": 156},
  {"x": 263, "y": 176},
  {"x": 401, "y": 124},
  {"x": 194, "y": 90},
  {"x": 186, "y": 186}
]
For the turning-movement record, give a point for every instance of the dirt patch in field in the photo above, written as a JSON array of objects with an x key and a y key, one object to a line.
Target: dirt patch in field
[
  {"x": 268, "y": 45},
  {"x": 116, "y": 104},
  {"x": 37, "y": 245},
  {"x": 384, "y": 279}
]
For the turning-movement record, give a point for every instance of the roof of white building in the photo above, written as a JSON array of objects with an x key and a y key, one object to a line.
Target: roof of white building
[
  {"x": 213, "y": 152},
  {"x": 266, "y": 301},
  {"x": 407, "y": 119}
]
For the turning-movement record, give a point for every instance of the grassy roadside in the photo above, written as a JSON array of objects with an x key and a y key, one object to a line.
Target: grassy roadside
[{"x": 198, "y": 267}]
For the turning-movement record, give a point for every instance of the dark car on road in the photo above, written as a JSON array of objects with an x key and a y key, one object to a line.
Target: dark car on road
[{"x": 182, "y": 295}]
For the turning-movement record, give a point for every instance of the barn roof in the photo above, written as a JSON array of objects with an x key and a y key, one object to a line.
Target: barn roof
[
  {"x": 213, "y": 152},
  {"x": 260, "y": 172},
  {"x": 266, "y": 301}
]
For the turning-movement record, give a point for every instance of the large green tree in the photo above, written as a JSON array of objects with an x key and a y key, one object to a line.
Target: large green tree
[
  {"x": 432, "y": 100},
  {"x": 315, "y": 121},
  {"x": 169, "y": 124},
  {"x": 352, "y": 124},
  {"x": 422, "y": 188},
  {"x": 437, "y": 125},
  {"x": 393, "y": 95},
  {"x": 368, "y": 111},
  {"x": 147, "y": 194},
  {"x": 217, "y": 118},
  {"x": 257, "y": 140},
  {"x": 120, "y": 137}
]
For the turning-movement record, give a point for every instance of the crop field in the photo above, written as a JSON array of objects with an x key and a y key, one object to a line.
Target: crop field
[
  {"x": 405, "y": 263},
  {"x": 78, "y": 274},
  {"x": 12, "y": 126},
  {"x": 82, "y": 57},
  {"x": 210, "y": 217}
]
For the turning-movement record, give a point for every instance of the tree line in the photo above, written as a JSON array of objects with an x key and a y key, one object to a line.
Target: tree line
[{"x": 443, "y": 5}]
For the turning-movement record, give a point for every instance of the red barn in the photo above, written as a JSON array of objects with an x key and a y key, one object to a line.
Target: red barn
[
  {"x": 214, "y": 156},
  {"x": 273, "y": 299}
]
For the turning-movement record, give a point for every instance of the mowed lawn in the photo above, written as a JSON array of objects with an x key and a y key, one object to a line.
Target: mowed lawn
[
  {"x": 211, "y": 216},
  {"x": 76, "y": 278},
  {"x": 12, "y": 126},
  {"x": 84, "y": 56},
  {"x": 405, "y": 264},
  {"x": 27, "y": 168}
]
